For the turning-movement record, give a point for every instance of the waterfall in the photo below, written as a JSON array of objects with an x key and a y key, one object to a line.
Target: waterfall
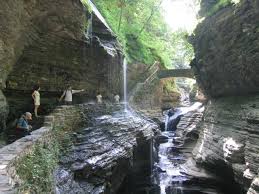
[
  {"x": 166, "y": 121},
  {"x": 173, "y": 115},
  {"x": 125, "y": 83},
  {"x": 89, "y": 29}
]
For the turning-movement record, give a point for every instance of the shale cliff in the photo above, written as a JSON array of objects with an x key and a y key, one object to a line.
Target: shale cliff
[
  {"x": 227, "y": 51},
  {"x": 54, "y": 43},
  {"x": 226, "y": 66}
]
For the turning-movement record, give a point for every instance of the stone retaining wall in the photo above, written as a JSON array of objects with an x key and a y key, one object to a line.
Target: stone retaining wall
[{"x": 65, "y": 116}]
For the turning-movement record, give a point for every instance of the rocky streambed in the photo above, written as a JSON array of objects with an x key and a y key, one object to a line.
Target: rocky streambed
[
  {"x": 122, "y": 152},
  {"x": 175, "y": 168},
  {"x": 114, "y": 146}
]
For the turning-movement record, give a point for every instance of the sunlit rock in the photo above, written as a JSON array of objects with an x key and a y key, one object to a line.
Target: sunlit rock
[
  {"x": 117, "y": 144},
  {"x": 229, "y": 137},
  {"x": 233, "y": 152}
]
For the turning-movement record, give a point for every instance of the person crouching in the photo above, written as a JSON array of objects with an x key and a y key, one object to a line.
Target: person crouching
[{"x": 23, "y": 128}]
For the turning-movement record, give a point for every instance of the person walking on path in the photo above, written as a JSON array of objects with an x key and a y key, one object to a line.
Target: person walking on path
[
  {"x": 36, "y": 98},
  {"x": 68, "y": 94}
]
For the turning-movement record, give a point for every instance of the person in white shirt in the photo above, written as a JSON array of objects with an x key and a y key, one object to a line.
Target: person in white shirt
[
  {"x": 117, "y": 98},
  {"x": 99, "y": 98},
  {"x": 36, "y": 98},
  {"x": 68, "y": 94}
]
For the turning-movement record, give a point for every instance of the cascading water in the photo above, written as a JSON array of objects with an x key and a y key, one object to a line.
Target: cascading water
[
  {"x": 172, "y": 116},
  {"x": 170, "y": 174},
  {"x": 90, "y": 29},
  {"x": 166, "y": 121},
  {"x": 125, "y": 83}
]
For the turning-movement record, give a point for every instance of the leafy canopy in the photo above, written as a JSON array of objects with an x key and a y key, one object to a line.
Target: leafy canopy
[{"x": 141, "y": 29}]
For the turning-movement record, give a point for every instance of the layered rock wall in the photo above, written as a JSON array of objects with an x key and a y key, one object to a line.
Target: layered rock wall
[
  {"x": 226, "y": 66},
  {"x": 105, "y": 153},
  {"x": 102, "y": 156},
  {"x": 24, "y": 23},
  {"x": 55, "y": 43},
  {"x": 48, "y": 44},
  {"x": 229, "y": 136},
  {"x": 227, "y": 51}
]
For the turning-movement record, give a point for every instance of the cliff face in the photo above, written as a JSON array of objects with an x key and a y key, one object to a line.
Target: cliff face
[
  {"x": 54, "y": 43},
  {"x": 227, "y": 50},
  {"x": 229, "y": 137},
  {"x": 45, "y": 43},
  {"x": 227, "y": 53},
  {"x": 25, "y": 24}
]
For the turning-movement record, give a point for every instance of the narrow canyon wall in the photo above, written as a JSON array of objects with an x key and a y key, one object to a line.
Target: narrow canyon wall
[
  {"x": 51, "y": 47},
  {"x": 227, "y": 50},
  {"x": 229, "y": 137},
  {"x": 226, "y": 66},
  {"x": 55, "y": 43}
]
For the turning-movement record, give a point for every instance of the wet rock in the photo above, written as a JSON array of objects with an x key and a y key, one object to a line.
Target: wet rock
[
  {"x": 4, "y": 109},
  {"x": 228, "y": 137},
  {"x": 226, "y": 50},
  {"x": 159, "y": 170},
  {"x": 176, "y": 171},
  {"x": 36, "y": 30},
  {"x": 254, "y": 188},
  {"x": 191, "y": 169},
  {"x": 161, "y": 139},
  {"x": 104, "y": 154},
  {"x": 46, "y": 42}
]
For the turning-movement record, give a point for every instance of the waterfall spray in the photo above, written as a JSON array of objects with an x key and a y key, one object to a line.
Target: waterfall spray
[{"x": 125, "y": 83}]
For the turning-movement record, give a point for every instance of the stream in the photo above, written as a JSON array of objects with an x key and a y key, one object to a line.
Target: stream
[
  {"x": 174, "y": 170},
  {"x": 107, "y": 157},
  {"x": 171, "y": 176}
]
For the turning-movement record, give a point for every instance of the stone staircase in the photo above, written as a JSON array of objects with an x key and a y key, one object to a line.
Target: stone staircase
[{"x": 151, "y": 74}]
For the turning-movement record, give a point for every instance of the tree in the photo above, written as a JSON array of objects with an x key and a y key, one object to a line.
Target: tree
[{"x": 141, "y": 29}]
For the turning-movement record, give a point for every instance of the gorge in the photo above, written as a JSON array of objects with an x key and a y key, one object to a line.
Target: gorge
[{"x": 96, "y": 148}]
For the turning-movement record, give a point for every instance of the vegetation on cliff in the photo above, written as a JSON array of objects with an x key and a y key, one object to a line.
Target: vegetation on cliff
[
  {"x": 209, "y": 8},
  {"x": 36, "y": 168},
  {"x": 141, "y": 29}
]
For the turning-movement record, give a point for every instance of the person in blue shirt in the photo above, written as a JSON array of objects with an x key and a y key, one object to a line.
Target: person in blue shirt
[{"x": 23, "y": 128}]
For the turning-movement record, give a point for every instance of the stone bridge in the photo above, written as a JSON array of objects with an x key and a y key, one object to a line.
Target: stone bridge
[{"x": 188, "y": 73}]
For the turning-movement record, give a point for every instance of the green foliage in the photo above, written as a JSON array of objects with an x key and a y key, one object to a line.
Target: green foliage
[
  {"x": 183, "y": 51},
  {"x": 36, "y": 168},
  {"x": 87, "y": 6},
  {"x": 221, "y": 4},
  {"x": 218, "y": 5},
  {"x": 170, "y": 86},
  {"x": 140, "y": 27}
]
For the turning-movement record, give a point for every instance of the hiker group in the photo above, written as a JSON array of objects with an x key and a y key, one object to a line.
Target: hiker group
[{"x": 23, "y": 128}]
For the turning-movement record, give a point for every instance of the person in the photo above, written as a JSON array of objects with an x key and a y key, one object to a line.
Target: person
[
  {"x": 68, "y": 94},
  {"x": 117, "y": 98},
  {"x": 36, "y": 98},
  {"x": 99, "y": 98},
  {"x": 23, "y": 128}
]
